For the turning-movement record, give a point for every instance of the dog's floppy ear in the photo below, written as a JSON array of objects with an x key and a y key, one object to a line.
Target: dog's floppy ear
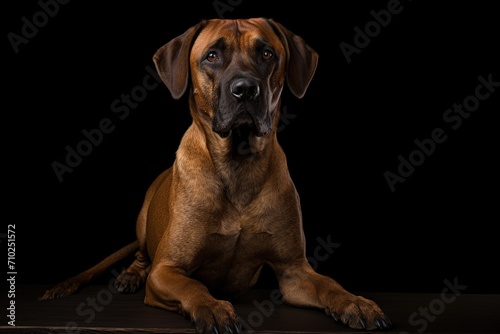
[
  {"x": 172, "y": 61},
  {"x": 302, "y": 60}
]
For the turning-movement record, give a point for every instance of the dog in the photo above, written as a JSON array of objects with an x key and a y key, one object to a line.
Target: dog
[{"x": 228, "y": 206}]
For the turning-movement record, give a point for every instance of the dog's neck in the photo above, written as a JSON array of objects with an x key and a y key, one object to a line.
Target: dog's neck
[{"x": 242, "y": 163}]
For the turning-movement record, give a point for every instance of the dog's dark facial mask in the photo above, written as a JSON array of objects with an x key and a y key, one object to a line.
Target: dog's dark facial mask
[{"x": 242, "y": 107}]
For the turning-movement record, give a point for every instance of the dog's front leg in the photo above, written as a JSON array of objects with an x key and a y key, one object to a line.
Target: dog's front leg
[
  {"x": 170, "y": 288},
  {"x": 302, "y": 286}
]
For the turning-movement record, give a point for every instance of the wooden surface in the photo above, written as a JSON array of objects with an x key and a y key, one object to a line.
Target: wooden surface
[{"x": 98, "y": 309}]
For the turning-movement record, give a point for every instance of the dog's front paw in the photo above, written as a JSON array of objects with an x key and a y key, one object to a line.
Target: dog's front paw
[
  {"x": 358, "y": 312},
  {"x": 217, "y": 316}
]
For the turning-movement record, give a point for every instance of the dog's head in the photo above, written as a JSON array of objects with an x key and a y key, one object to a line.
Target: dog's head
[{"x": 236, "y": 70}]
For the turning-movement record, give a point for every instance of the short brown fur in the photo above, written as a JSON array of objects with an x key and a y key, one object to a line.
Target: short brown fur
[{"x": 228, "y": 205}]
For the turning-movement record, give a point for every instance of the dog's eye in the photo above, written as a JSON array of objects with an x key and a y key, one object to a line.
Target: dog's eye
[
  {"x": 267, "y": 54},
  {"x": 212, "y": 56}
]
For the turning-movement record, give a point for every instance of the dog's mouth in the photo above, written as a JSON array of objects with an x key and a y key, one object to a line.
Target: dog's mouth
[
  {"x": 243, "y": 126},
  {"x": 241, "y": 131},
  {"x": 242, "y": 136}
]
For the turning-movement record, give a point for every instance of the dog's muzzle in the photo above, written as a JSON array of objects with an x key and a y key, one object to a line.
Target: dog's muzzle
[{"x": 242, "y": 107}]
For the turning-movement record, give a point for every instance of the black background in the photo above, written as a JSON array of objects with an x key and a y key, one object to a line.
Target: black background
[{"x": 348, "y": 130}]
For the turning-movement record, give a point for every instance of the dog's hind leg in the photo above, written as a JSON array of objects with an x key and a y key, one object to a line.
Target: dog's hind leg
[{"x": 132, "y": 278}]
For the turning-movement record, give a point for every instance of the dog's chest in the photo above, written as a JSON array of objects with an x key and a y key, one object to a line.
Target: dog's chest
[
  {"x": 240, "y": 239},
  {"x": 234, "y": 254}
]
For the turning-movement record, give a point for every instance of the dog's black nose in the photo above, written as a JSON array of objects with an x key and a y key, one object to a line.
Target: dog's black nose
[{"x": 245, "y": 89}]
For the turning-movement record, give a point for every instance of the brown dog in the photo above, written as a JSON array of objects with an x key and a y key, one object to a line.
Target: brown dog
[{"x": 228, "y": 206}]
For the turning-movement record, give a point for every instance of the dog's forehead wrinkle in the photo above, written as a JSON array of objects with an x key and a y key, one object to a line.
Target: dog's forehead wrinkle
[
  {"x": 237, "y": 38},
  {"x": 219, "y": 43}
]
